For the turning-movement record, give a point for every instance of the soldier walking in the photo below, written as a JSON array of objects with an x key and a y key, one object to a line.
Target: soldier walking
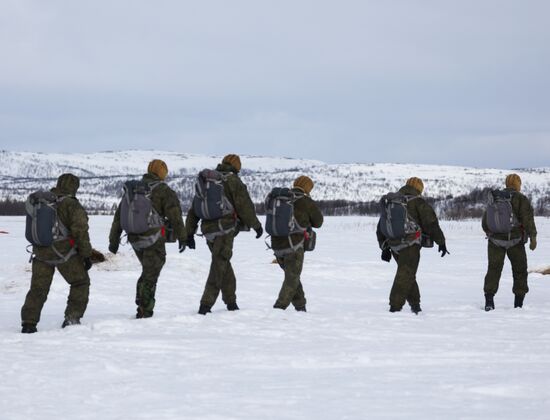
[
  {"x": 406, "y": 224},
  {"x": 508, "y": 223}
]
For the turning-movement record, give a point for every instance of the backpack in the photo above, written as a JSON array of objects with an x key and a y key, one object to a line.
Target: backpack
[
  {"x": 43, "y": 227},
  {"x": 137, "y": 214},
  {"x": 280, "y": 220},
  {"x": 395, "y": 222},
  {"x": 499, "y": 213},
  {"x": 210, "y": 201}
]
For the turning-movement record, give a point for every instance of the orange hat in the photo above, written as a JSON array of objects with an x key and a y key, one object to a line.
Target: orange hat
[
  {"x": 158, "y": 167},
  {"x": 513, "y": 181},
  {"x": 304, "y": 183},
  {"x": 416, "y": 183},
  {"x": 233, "y": 160}
]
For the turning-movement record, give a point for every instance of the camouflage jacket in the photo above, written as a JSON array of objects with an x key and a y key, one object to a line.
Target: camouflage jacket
[
  {"x": 74, "y": 218},
  {"x": 523, "y": 210},
  {"x": 306, "y": 213},
  {"x": 422, "y": 213},
  {"x": 237, "y": 194},
  {"x": 165, "y": 202}
]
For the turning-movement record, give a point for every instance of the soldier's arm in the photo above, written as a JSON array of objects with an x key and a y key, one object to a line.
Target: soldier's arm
[
  {"x": 172, "y": 211},
  {"x": 79, "y": 230},
  {"x": 315, "y": 216},
  {"x": 244, "y": 205},
  {"x": 192, "y": 222},
  {"x": 429, "y": 222},
  {"x": 116, "y": 229},
  {"x": 526, "y": 216}
]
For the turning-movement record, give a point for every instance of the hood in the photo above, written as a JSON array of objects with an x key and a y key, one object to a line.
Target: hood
[
  {"x": 408, "y": 190},
  {"x": 67, "y": 184},
  {"x": 225, "y": 167}
]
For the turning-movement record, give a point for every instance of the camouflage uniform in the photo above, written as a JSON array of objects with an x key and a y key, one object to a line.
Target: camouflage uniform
[
  {"x": 523, "y": 210},
  {"x": 75, "y": 219},
  {"x": 152, "y": 259},
  {"x": 308, "y": 216},
  {"x": 221, "y": 276},
  {"x": 405, "y": 288}
]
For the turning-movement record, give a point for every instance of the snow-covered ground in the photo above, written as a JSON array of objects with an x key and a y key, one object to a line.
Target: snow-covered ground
[{"x": 346, "y": 358}]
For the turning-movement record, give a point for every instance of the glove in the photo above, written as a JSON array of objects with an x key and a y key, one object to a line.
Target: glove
[
  {"x": 259, "y": 232},
  {"x": 87, "y": 263},
  {"x": 533, "y": 243},
  {"x": 181, "y": 245},
  {"x": 191, "y": 242},
  {"x": 443, "y": 250},
  {"x": 386, "y": 255},
  {"x": 113, "y": 248}
]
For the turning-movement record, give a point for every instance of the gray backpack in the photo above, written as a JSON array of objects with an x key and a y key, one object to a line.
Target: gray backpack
[
  {"x": 43, "y": 226},
  {"x": 499, "y": 214},
  {"x": 395, "y": 222},
  {"x": 210, "y": 201},
  {"x": 137, "y": 214},
  {"x": 279, "y": 207}
]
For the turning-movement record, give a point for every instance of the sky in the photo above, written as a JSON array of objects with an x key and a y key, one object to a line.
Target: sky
[{"x": 422, "y": 81}]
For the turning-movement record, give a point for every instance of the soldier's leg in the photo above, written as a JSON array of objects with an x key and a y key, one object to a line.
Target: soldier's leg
[
  {"x": 299, "y": 300},
  {"x": 221, "y": 255},
  {"x": 405, "y": 277},
  {"x": 496, "y": 257},
  {"x": 41, "y": 280},
  {"x": 292, "y": 265},
  {"x": 75, "y": 274},
  {"x": 152, "y": 260},
  {"x": 518, "y": 259},
  {"x": 229, "y": 282}
]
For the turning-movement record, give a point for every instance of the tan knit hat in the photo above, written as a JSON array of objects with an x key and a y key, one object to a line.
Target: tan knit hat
[
  {"x": 304, "y": 183},
  {"x": 233, "y": 160},
  {"x": 513, "y": 181},
  {"x": 416, "y": 183},
  {"x": 158, "y": 167}
]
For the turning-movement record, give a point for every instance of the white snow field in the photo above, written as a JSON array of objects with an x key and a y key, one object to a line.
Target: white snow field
[{"x": 346, "y": 358}]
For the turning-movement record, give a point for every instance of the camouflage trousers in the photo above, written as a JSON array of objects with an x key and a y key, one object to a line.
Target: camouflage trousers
[
  {"x": 518, "y": 259},
  {"x": 152, "y": 260},
  {"x": 291, "y": 290},
  {"x": 73, "y": 272},
  {"x": 405, "y": 288},
  {"x": 221, "y": 276}
]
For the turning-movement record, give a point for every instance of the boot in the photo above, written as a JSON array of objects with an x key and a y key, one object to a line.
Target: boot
[
  {"x": 70, "y": 321},
  {"x": 301, "y": 308},
  {"x": 232, "y": 307},
  {"x": 489, "y": 302},
  {"x": 394, "y": 309},
  {"x": 27, "y": 328},
  {"x": 518, "y": 301},
  {"x": 277, "y": 306},
  {"x": 203, "y": 310},
  {"x": 415, "y": 308},
  {"x": 142, "y": 313}
]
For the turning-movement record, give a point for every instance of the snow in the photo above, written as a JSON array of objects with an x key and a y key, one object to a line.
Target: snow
[{"x": 346, "y": 358}]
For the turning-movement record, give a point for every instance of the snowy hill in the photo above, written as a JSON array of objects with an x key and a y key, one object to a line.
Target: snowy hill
[{"x": 103, "y": 174}]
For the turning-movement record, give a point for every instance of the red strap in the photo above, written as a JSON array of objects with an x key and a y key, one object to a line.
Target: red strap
[
  {"x": 72, "y": 242},
  {"x": 163, "y": 231},
  {"x": 418, "y": 234}
]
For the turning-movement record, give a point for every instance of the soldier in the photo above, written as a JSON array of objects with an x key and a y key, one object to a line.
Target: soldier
[
  {"x": 418, "y": 225},
  {"x": 70, "y": 254},
  {"x": 289, "y": 249},
  {"x": 220, "y": 229},
  {"x": 514, "y": 209},
  {"x": 149, "y": 246}
]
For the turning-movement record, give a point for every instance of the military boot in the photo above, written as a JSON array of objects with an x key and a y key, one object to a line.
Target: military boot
[
  {"x": 394, "y": 309},
  {"x": 415, "y": 308},
  {"x": 70, "y": 321},
  {"x": 518, "y": 301},
  {"x": 27, "y": 328},
  {"x": 203, "y": 309},
  {"x": 301, "y": 308},
  {"x": 142, "y": 313},
  {"x": 232, "y": 307},
  {"x": 489, "y": 302}
]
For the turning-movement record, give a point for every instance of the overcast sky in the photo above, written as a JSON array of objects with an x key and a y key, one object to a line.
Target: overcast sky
[{"x": 430, "y": 81}]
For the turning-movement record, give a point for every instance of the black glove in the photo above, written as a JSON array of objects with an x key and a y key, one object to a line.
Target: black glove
[
  {"x": 259, "y": 231},
  {"x": 386, "y": 255},
  {"x": 181, "y": 245},
  {"x": 443, "y": 250},
  {"x": 113, "y": 248},
  {"x": 191, "y": 242},
  {"x": 87, "y": 263}
]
